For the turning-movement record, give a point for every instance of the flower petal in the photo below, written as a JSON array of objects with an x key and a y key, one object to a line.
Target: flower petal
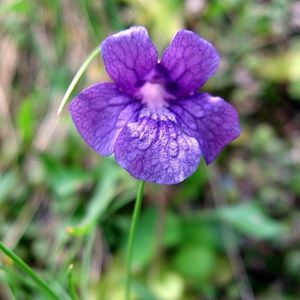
[
  {"x": 128, "y": 57},
  {"x": 157, "y": 151},
  {"x": 211, "y": 120},
  {"x": 190, "y": 61},
  {"x": 99, "y": 114}
]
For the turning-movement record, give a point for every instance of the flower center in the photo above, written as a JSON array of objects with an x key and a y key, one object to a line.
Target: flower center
[{"x": 154, "y": 96}]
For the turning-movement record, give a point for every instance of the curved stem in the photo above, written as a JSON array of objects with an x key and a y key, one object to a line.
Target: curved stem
[
  {"x": 134, "y": 221},
  {"x": 71, "y": 285},
  {"x": 25, "y": 268},
  {"x": 76, "y": 78}
]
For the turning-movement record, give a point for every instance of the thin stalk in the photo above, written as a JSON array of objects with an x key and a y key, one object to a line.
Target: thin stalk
[
  {"x": 76, "y": 78},
  {"x": 25, "y": 268},
  {"x": 71, "y": 284},
  {"x": 231, "y": 246},
  {"x": 86, "y": 263},
  {"x": 133, "y": 226}
]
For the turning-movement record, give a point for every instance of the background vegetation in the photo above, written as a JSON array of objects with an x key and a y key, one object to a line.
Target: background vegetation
[{"x": 231, "y": 231}]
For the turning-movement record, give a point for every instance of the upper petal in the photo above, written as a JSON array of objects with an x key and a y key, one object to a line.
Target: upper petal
[
  {"x": 128, "y": 57},
  {"x": 99, "y": 113},
  {"x": 157, "y": 151},
  {"x": 211, "y": 120},
  {"x": 190, "y": 61}
]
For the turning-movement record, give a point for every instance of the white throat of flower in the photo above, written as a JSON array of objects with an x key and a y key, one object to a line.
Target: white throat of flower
[{"x": 154, "y": 96}]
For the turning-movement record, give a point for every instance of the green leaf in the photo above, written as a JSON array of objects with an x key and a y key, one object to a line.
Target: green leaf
[
  {"x": 105, "y": 192},
  {"x": 26, "y": 120},
  {"x": 249, "y": 219},
  {"x": 17, "y": 6},
  {"x": 193, "y": 186},
  {"x": 199, "y": 231},
  {"x": 64, "y": 180},
  {"x": 146, "y": 236},
  {"x": 144, "y": 243},
  {"x": 195, "y": 261}
]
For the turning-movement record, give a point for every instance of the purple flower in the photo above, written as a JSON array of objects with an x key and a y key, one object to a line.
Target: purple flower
[{"x": 152, "y": 117}]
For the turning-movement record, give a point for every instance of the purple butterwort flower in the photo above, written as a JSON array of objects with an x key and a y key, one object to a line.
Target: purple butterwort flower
[{"x": 152, "y": 117}]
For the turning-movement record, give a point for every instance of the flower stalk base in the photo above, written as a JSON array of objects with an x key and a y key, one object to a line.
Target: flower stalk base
[{"x": 133, "y": 226}]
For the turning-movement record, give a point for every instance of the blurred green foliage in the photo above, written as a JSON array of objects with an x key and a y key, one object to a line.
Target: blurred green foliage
[{"x": 61, "y": 204}]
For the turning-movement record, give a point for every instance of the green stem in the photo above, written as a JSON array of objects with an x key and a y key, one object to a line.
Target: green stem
[
  {"x": 25, "y": 268},
  {"x": 71, "y": 284},
  {"x": 134, "y": 221},
  {"x": 76, "y": 78}
]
